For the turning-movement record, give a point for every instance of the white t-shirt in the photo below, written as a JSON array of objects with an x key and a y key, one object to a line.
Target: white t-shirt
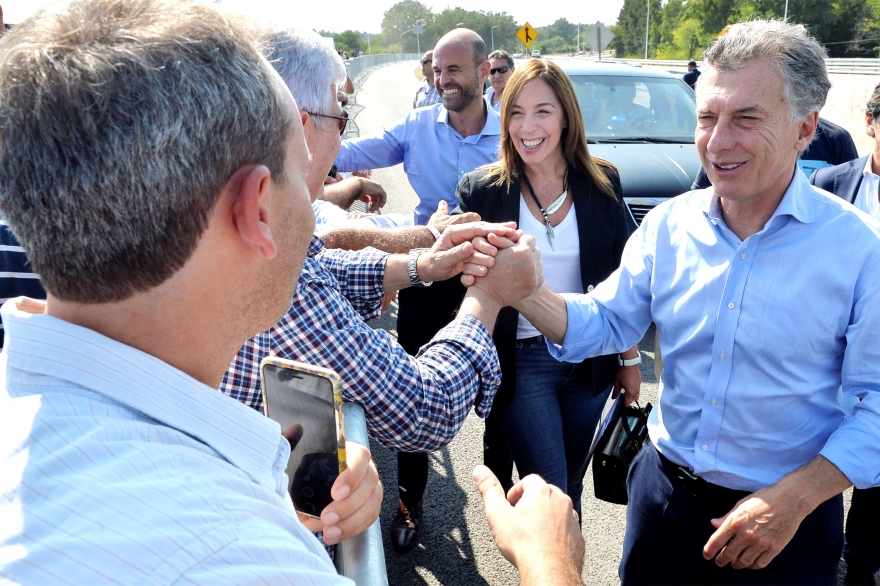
[
  {"x": 866, "y": 199},
  {"x": 562, "y": 262}
]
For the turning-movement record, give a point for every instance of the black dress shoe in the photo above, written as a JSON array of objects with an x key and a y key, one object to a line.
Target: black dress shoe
[{"x": 405, "y": 527}]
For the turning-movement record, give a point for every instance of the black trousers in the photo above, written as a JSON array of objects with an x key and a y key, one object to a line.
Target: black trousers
[
  {"x": 862, "y": 551},
  {"x": 667, "y": 525}
]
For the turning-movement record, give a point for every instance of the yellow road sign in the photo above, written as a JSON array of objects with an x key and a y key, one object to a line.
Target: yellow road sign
[{"x": 527, "y": 34}]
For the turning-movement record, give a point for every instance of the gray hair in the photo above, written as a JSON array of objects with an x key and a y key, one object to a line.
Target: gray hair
[
  {"x": 120, "y": 123},
  {"x": 309, "y": 66},
  {"x": 798, "y": 58}
]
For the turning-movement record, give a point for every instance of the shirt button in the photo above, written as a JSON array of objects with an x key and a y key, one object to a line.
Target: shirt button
[
  {"x": 714, "y": 402},
  {"x": 589, "y": 288},
  {"x": 730, "y": 305},
  {"x": 723, "y": 355},
  {"x": 705, "y": 447},
  {"x": 742, "y": 257}
]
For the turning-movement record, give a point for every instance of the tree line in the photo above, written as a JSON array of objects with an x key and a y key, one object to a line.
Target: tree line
[
  {"x": 681, "y": 29},
  {"x": 676, "y": 29}
]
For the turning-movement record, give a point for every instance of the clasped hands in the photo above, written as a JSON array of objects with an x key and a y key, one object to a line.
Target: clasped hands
[{"x": 496, "y": 258}]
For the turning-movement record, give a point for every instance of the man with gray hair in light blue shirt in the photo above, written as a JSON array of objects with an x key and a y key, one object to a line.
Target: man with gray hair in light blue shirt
[{"x": 764, "y": 292}]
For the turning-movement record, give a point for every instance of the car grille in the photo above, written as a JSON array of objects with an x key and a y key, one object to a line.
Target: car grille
[{"x": 639, "y": 211}]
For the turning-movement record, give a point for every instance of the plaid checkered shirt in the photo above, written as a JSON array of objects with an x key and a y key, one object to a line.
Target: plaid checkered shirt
[{"x": 412, "y": 404}]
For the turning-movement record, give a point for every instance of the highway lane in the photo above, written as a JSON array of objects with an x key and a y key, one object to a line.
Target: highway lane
[{"x": 456, "y": 545}]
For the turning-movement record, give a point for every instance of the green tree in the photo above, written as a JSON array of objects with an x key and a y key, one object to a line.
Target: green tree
[
  {"x": 401, "y": 18},
  {"x": 349, "y": 41}
]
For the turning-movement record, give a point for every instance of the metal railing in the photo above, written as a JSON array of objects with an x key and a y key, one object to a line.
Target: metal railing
[
  {"x": 361, "y": 558},
  {"x": 835, "y": 65},
  {"x": 359, "y": 67}
]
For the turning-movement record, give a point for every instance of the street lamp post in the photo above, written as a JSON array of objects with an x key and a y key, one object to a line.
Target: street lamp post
[
  {"x": 401, "y": 39},
  {"x": 493, "y": 37},
  {"x": 418, "y": 31},
  {"x": 647, "y": 28}
]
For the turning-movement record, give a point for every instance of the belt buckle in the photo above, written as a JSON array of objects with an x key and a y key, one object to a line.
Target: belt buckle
[{"x": 689, "y": 480}]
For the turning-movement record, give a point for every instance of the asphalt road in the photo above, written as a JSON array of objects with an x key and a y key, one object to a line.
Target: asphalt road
[{"x": 456, "y": 545}]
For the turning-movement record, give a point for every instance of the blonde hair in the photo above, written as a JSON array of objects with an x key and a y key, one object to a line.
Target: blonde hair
[{"x": 573, "y": 141}]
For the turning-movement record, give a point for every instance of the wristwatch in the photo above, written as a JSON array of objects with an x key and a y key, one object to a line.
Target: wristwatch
[
  {"x": 630, "y": 362},
  {"x": 413, "y": 271}
]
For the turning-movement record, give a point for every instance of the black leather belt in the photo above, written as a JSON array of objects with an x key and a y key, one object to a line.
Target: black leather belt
[
  {"x": 532, "y": 340},
  {"x": 695, "y": 485}
]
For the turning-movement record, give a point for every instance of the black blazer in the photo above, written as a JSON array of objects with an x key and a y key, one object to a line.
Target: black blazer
[
  {"x": 843, "y": 180},
  {"x": 603, "y": 229}
]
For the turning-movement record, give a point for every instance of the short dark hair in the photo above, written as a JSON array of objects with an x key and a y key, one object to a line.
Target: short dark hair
[
  {"x": 501, "y": 55},
  {"x": 120, "y": 123},
  {"x": 692, "y": 63},
  {"x": 873, "y": 107}
]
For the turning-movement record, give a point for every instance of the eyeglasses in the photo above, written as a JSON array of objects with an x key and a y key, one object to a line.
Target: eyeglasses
[
  {"x": 501, "y": 70},
  {"x": 423, "y": 61},
  {"x": 342, "y": 121}
]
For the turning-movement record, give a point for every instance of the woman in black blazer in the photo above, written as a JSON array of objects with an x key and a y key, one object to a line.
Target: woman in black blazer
[{"x": 571, "y": 203}]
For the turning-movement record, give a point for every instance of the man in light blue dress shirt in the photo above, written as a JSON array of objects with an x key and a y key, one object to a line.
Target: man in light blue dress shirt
[
  {"x": 437, "y": 146},
  {"x": 764, "y": 292}
]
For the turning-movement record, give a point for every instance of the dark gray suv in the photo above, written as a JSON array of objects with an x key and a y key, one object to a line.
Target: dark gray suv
[{"x": 642, "y": 121}]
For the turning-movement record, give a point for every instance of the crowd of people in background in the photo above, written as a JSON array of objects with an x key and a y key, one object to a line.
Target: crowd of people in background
[{"x": 522, "y": 293}]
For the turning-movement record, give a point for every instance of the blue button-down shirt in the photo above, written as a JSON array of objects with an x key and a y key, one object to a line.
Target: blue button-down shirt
[
  {"x": 434, "y": 155},
  {"x": 758, "y": 336},
  {"x": 117, "y": 468}
]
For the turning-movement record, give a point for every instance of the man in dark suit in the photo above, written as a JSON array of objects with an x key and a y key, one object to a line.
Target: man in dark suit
[
  {"x": 692, "y": 74},
  {"x": 857, "y": 182}
]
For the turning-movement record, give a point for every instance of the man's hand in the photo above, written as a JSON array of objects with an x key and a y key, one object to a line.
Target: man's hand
[
  {"x": 371, "y": 193},
  {"x": 357, "y": 499},
  {"x": 517, "y": 273},
  {"x": 441, "y": 218},
  {"x": 448, "y": 255},
  {"x": 535, "y": 528},
  {"x": 763, "y": 523},
  {"x": 628, "y": 380},
  {"x": 346, "y": 192}
]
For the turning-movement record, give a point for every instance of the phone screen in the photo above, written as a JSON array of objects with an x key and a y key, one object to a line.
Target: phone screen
[{"x": 302, "y": 403}]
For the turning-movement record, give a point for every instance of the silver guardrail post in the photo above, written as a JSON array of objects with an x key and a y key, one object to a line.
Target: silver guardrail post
[{"x": 361, "y": 558}]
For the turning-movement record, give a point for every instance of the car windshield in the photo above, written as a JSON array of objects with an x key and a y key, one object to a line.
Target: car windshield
[{"x": 624, "y": 109}]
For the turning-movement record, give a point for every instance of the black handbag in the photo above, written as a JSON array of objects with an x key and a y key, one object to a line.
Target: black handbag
[{"x": 621, "y": 441}]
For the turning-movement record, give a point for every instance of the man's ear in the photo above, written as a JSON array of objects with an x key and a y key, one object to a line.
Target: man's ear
[
  {"x": 251, "y": 208},
  {"x": 304, "y": 118},
  {"x": 484, "y": 68},
  {"x": 807, "y": 131},
  {"x": 869, "y": 125}
]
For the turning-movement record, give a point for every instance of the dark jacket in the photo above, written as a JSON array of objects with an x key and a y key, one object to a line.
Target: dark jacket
[
  {"x": 603, "y": 230},
  {"x": 844, "y": 180}
]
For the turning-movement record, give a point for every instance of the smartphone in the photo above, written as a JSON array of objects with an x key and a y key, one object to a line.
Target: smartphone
[{"x": 306, "y": 401}]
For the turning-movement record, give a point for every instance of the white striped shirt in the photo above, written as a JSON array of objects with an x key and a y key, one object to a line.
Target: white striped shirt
[{"x": 117, "y": 468}]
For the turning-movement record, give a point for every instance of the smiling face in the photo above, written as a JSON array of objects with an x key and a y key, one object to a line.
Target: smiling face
[
  {"x": 498, "y": 79},
  {"x": 536, "y": 123},
  {"x": 746, "y": 142},
  {"x": 457, "y": 79}
]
